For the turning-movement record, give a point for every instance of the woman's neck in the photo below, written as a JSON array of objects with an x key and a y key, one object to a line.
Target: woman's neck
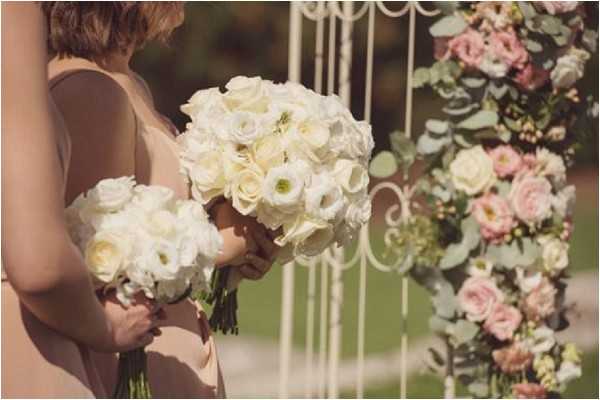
[{"x": 117, "y": 62}]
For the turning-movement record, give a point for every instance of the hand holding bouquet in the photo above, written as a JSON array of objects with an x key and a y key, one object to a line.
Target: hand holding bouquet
[
  {"x": 295, "y": 160},
  {"x": 140, "y": 239}
]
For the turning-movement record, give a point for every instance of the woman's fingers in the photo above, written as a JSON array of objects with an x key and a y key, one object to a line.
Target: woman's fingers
[
  {"x": 268, "y": 248},
  {"x": 250, "y": 272},
  {"x": 259, "y": 263}
]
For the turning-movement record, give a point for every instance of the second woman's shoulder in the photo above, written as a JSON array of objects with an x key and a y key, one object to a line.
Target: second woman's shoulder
[{"x": 91, "y": 98}]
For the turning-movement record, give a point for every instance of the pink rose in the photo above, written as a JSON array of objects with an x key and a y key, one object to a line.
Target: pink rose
[
  {"x": 531, "y": 198},
  {"x": 557, "y": 7},
  {"x": 503, "y": 321},
  {"x": 539, "y": 303},
  {"x": 507, "y": 47},
  {"x": 507, "y": 162},
  {"x": 477, "y": 297},
  {"x": 468, "y": 47},
  {"x": 494, "y": 216},
  {"x": 528, "y": 391},
  {"x": 532, "y": 77},
  {"x": 513, "y": 358}
]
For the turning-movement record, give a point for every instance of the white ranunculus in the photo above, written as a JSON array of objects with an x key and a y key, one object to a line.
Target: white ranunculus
[
  {"x": 106, "y": 255},
  {"x": 111, "y": 194},
  {"x": 161, "y": 223},
  {"x": 324, "y": 198},
  {"x": 564, "y": 201},
  {"x": 283, "y": 186},
  {"x": 472, "y": 171},
  {"x": 189, "y": 213},
  {"x": 351, "y": 176},
  {"x": 268, "y": 152},
  {"x": 542, "y": 340},
  {"x": 358, "y": 212},
  {"x": 569, "y": 68},
  {"x": 247, "y": 94},
  {"x": 152, "y": 198},
  {"x": 352, "y": 139},
  {"x": 567, "y": 372},
  {"x": 246, "y": 189},
  {"x": 555, "y": 254},
  {"x": 207, "y": 176},
  {"x": 480, "y": 267}
]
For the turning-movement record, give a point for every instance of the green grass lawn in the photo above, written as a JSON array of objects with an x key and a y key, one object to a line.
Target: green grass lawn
[{"x": 260, "y": 307}]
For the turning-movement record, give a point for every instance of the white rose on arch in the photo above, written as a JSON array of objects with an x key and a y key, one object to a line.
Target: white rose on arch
[
  {"x": 472, "y": 171},
  {"x": 569, "y": 68}
]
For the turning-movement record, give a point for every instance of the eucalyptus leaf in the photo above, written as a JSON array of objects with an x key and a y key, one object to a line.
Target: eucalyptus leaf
[
  {"x": 457, "y": 253},
  {"x": 533, "y": 46},
  {"x": 456, "y": 111},
  {"x": 428, "y": 145},
  {"x": 420, "y": 77},
  {"x": 436, "y": 126},
  {"x": 450, "y": 25},
  {"x": 550, "y": 24},
  {"x": 511, "y": 124},
  {"x": 473, "y": 83},
  {"x": 404, "y": 149},
  {"x": 464, "y": 331},
  {"x": 445, "y": 302},
  {"x": 511, "y": 256},
  {"x": 481, "y": 119},
  {"x": 497, "y": 91},
  {"x": 441, "y": 193},
  {"x": 462, "y": 141},
  {"x": 527, "y": 9},
  {"x": 479, "y": 389},
  {"x": 446, "y": 7},
  {"x": 383, "y": 165},
  {"x": 438, "y": 324}
]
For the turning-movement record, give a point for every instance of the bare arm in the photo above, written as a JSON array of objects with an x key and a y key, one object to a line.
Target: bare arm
[{"x": 41, "y": 263}]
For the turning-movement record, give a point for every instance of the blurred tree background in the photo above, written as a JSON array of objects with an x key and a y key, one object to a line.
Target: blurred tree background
[{"x": 220, "y": 40}]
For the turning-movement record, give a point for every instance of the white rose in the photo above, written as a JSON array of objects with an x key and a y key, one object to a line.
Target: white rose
[
  {"x": 557, "y": 133},
  {"x": 271, "y": 217},
  {"x": 480, "y": 267},
  {"x": 210, "y": 243},
  {"x": 542, "y": 340},
  {"x": 555, "y": 254},
  {"x": 472, "y": 171},
  {"x": 352, "y": 139},
  {"x": 202, "y": 102},
  {"x": 283, "y": 186},
  {"x": 351, "y": 176},
  {"x": 569, "y": 68},
  {"x": 243, "y": 128},
  {"x": 309, "y": 237},
  {"x": 246, "y": 94},
  {"x": 310, "y": 137},
  {"x": 324, "y": 198},
  {"x": 161, "y": 223},
  {"x": 207, "y": 176},
  {"x": 106, "y": 255},
  {"x": 111, "y": 194},
  {"x": 168, "y": 291},
  {"x": 268, "y": 152},
  {"x": 246, "y": 189},
  {"x": 152, "y": 198},
  {"x": 190, "y": 212},
  {"x": 567, "y": 372},
  {"x": 564, "y": 201},
  {"x": 358, "y": 212}
]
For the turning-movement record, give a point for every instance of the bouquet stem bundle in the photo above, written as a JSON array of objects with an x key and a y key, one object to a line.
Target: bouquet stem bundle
[
  {"x": 132, "y": 376},
  {"x": 224, "y": 302}
]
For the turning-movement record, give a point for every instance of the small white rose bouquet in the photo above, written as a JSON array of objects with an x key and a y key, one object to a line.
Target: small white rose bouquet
[
  {"x": 138, "y": 238},
  {"x": 294, "y": 159}
]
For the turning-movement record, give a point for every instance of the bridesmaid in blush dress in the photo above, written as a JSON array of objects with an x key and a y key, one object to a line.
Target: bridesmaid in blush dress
[{"x": 129, "y": 137}]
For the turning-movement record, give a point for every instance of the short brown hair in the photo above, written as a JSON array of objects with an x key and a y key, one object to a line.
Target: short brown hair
[{"x": 95, "y": 29}]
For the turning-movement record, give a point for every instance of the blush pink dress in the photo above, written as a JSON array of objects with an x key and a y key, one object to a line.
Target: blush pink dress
[
  {"x": 37, "y": 361},
  {"x": 182, "y": 362}
]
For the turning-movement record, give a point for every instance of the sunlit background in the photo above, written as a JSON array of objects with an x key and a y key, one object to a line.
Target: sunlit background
[{"x": 221, "y": 40}]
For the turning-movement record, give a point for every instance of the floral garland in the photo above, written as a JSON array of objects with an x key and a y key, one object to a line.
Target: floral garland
[{"x": 494, "y": 247}]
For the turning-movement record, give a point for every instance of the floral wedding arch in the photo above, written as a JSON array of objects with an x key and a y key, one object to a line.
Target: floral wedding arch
[{"x": 486, "y": 228}]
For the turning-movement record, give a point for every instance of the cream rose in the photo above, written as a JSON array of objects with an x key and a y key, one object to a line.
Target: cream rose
[
  {"x": 152, "y": 198},
  {"x": 247, "y": 94},
  {"x": 106, "y": 255},
  {"x": 268, "y": 152},
  {"x": 309, "y": 237},
  {"x": 555, "y": 254},
  {"x": 569, "y": 68},
  {"x": 111, "y": 194},
  {"x": 472, "y": 171},
  {"x": 207, "y": 176},
  {"x": 246, "y": 189},
  {"x": 351, "y": 176}
]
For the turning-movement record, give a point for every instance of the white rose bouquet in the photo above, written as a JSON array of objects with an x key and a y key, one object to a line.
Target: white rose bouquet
[
  {"x": 138, "y": 238},
  {"x": 294, "y": 159}
]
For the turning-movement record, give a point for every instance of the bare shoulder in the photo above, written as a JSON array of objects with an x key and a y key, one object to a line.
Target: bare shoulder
[
  {"x": 90, "y": 98},
  {"x": 142, "y": 82}
]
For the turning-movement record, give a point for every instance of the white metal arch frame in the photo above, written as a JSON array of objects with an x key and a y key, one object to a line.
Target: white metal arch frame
[{"x": 331, "y": 291}]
